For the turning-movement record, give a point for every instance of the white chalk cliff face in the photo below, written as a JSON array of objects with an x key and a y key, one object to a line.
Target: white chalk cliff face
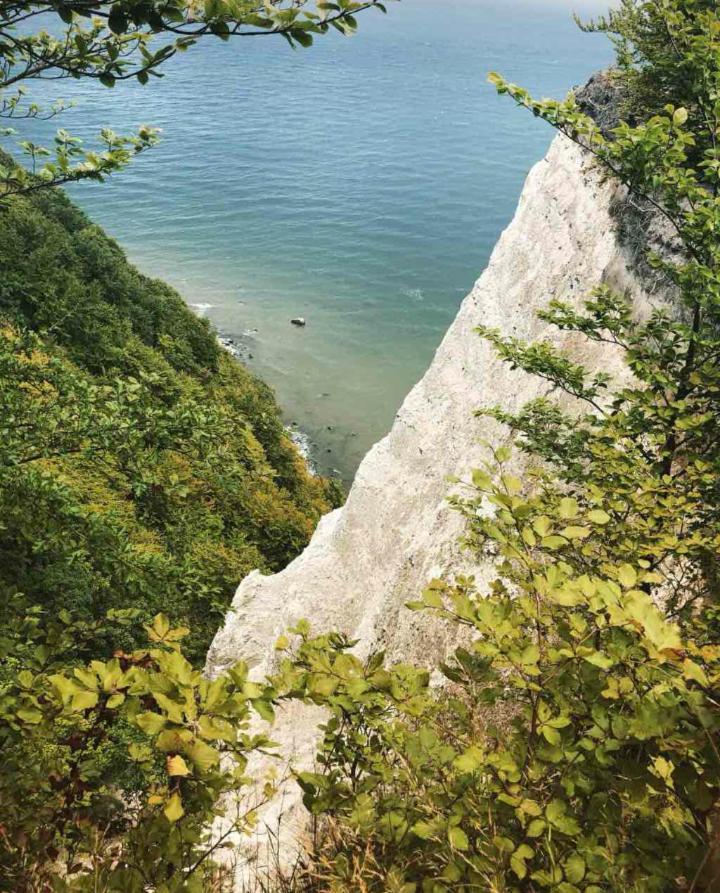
[{"x": 396, "y": 530}]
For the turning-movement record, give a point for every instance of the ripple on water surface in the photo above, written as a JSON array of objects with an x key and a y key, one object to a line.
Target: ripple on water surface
[{"x": 360, "y": 184}]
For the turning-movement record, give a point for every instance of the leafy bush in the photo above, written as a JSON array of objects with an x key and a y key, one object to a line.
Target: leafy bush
[
  {"x": 574, "y": 746},
  {"x": 112, "y": 772}
]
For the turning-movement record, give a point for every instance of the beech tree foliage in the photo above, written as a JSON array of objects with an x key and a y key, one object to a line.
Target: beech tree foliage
[
  {"x": 113, "y": 771},
  {"x": 115, "y": 40}
]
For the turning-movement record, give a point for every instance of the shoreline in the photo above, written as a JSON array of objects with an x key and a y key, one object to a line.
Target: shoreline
[
  {"x": 305, "y": 446},
  {"x": 313, "y": 450}
]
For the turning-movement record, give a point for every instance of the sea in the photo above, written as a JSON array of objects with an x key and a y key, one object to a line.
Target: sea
[{"x": 359, "y": 184}]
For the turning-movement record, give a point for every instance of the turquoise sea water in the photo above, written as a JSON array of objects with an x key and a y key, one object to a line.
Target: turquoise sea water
[{"x": 360, "y": 184}]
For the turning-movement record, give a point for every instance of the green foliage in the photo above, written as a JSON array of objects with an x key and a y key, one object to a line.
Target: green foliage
[
  {"x": 574, "y": 747},
  {"x": 113, "y": 772},
  {"x": 575, "y": 743},
  {"x": 114, "y": 40},
  {"x": 662, "y": 56},
  {"x": 140, "y": 466}
]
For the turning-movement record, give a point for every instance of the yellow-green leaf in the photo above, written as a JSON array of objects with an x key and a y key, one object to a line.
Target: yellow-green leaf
[
  {"x": 691, "y": 670},
  {"x": 176, "y": 765},
  {"x": 159, "y": 629},
  {"x": 568, "y": 508},
  {"x": 536, "y": 828},
  {"x": 173, "y": 808},
  {"x": 574, "y": 868},
  {"x": 598, "y": 516},
  {"x": 553, "y": 542},
  {"x": 627, "y": 576},
  {"x": 458, "y": 839},
  {"x": 150, "y": 723},
  {"x": 84, "y": 700},
  {"x": 576, "y": 533}
]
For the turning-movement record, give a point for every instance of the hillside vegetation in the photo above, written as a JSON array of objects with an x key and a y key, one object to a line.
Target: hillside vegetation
[{"x": 141, "y": 467}]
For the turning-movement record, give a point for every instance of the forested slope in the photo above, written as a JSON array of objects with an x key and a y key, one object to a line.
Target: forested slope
[{"x": 141, "y": 467}]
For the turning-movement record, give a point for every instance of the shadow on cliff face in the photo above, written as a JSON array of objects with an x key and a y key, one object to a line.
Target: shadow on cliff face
[{"x": 640, "y": 225}]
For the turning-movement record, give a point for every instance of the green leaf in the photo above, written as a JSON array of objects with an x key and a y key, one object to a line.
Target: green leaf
[
  {"x": 598, "y": 659},
  {"x": 83, "y": 700},
  {"x": 555, "y": 809},
  {"x": 150, "y": 723},
  {"x": 512, "y": 484},
  {"x": 576, "y": 533},
  {"x": 598, "y": 516},
  {"x": 264, "y": 709},
  {"x": 691, "y": 670},
  {"x": 518, "y": 866},
  {"x": 458, "y": 839},
  {"x": 174, "y": 808},
  {"x": 470, "y": 761},
  {"x": 176, "y": 765},
  {"x": 568, "y": 508},
  {"x": 481, "y": 480},
  {"x": 432, "y": 598},
  {"x": 551, "y": 735},
  {"x": 65, "y": 687},
  {"x": 530, "y": 807},
  {"x": 159, "y": 629},
  {"x": 304, "y": 38},
  {"x": 423, "y": 830},
  {"x": 29, "y": 715},
  {"x": 575, "y": 868},
  {"x": 553, "y": 542},
  {"x": 536, "y": 828},
  {"x": 117, "y": 20},
  {"x": 627, "y": 576},
  {"x": 202, "y": 755}
]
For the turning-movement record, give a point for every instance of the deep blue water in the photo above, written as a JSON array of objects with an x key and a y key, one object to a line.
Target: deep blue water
[{"x": 360, "y": 184}]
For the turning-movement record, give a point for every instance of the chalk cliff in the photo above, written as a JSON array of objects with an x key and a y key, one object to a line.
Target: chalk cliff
[{"x": 396, "y": 531}]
